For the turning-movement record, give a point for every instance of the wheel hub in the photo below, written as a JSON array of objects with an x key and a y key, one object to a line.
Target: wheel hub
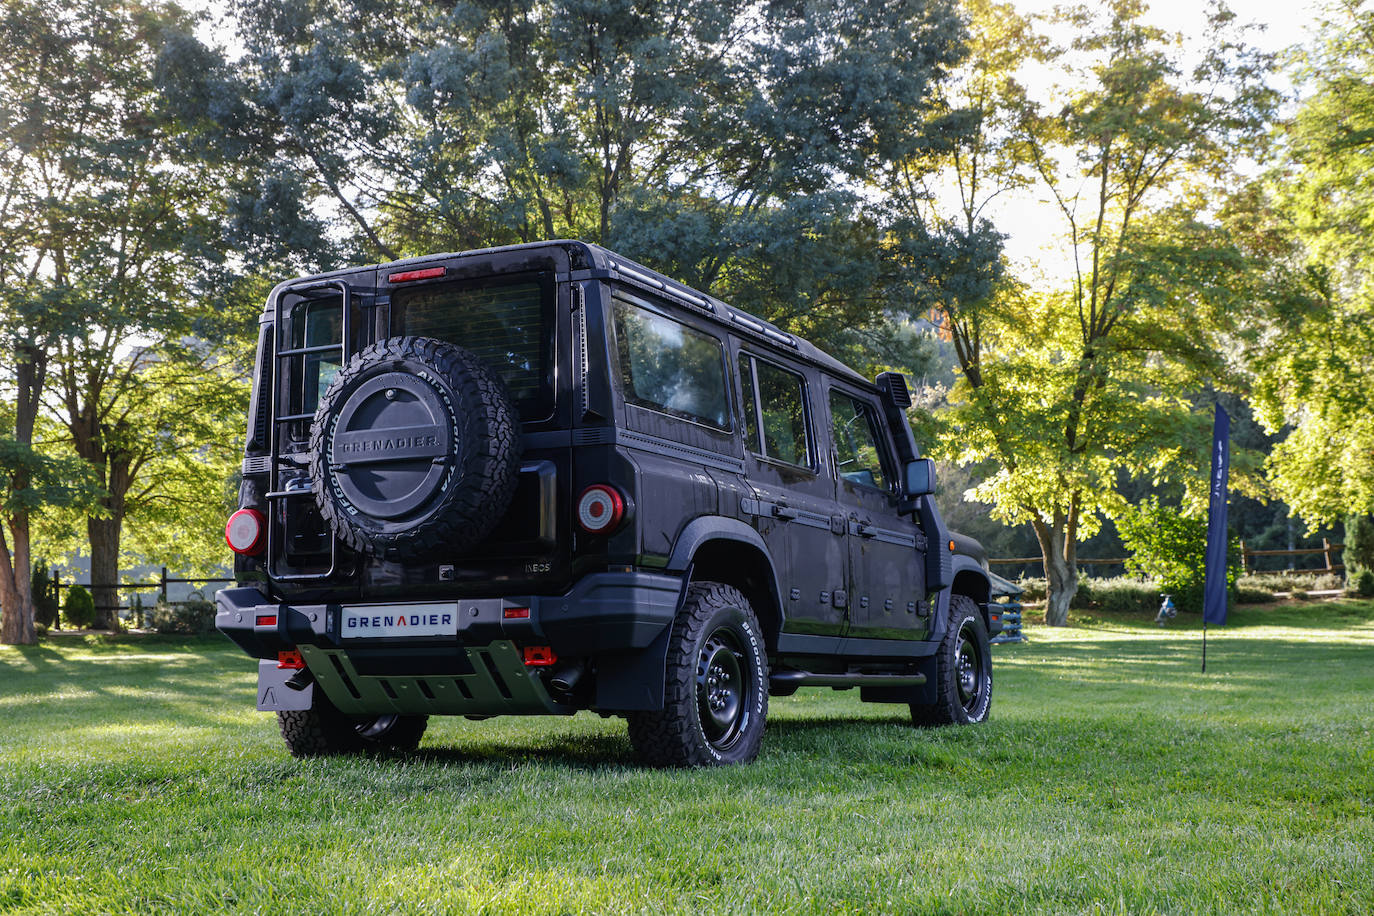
[
  {"x": 721, "y": 689},
  {"x": 968, "y": 671}
]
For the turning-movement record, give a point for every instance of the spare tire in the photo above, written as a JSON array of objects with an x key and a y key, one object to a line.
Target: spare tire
[{"x": 415, "y": 449}]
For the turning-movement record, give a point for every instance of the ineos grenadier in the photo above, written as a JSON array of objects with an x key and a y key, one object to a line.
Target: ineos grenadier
[{"x": 543, "y": 478}]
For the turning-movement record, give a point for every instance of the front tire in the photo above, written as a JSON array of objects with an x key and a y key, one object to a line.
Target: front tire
[
  {"x": 715, "y": 698},
  {"x": 322, "y": 730},
  {"x": 963, "y": 670}
]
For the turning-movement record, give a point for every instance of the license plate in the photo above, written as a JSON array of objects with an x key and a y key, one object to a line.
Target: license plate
[{"x": 381, "y": 620}]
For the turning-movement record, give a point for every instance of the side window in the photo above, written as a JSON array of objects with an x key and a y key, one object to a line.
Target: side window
[
  {"x": 857, "y": 456},
  {"x": 668, "y": 366},
  {"x": 315, "y": 324},
  {"x": 775, "y": 401}
]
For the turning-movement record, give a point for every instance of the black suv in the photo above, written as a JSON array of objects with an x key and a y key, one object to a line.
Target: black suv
[{"x": 543, "y": 478}]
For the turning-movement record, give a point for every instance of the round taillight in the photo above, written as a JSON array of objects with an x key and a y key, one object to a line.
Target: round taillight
[
  {"x": 246, "y": 532},
  {"x": 600, "y": 508}
]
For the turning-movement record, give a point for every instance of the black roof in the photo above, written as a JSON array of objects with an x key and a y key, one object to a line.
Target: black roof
[{"x": 587, "y": 256}]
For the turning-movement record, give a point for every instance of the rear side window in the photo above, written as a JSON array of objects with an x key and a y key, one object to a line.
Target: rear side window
[
  {"x": 774, "y": 402},
  {"x": 316, "y": 324},
  {"x": 507, "y": 323},
  {"x": 857, "y": 457},
  {"x": 669, "y": 367}
]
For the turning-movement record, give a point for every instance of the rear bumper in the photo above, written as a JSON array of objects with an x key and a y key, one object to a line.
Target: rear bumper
[
  {"x": 621, "y": 619},
  {"x": 602, "y": 613}
]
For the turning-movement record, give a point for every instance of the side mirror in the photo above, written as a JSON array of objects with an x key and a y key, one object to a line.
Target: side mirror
[{"x": 920, "y": 478}]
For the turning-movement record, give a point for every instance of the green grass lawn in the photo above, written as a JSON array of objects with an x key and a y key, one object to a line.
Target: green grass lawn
[{"x": 135, "y": 777}]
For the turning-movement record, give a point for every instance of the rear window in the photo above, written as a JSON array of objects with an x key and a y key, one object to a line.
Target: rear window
[
  {"x": 669, "y": 367},
  {"x": 507, "y": 323}
]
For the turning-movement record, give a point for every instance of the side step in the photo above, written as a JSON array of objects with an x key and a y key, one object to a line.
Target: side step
[{"x": 785, "y": 683}]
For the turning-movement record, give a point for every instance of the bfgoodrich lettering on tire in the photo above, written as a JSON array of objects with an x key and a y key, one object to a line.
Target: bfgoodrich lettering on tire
[
  {"x": 963, "y": 679},
  {"x": 414, "y": 449},
  {"x": 715, "y": 686}
]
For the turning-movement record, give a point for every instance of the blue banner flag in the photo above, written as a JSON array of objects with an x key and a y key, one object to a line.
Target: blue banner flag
[{"x": 1214, "y": 590}]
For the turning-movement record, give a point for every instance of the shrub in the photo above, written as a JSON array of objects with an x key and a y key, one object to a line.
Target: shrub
[
  {"x": 79, "y": 607},
  {"x": 1033, "y": 589},
  {"x": 1327, "y": 582},
  {"x": 1122, "y": 595},
  {"x": 1171, "y": 548},
  {"x": 1247, "y": 595},
  {"x": 188, "y": 618},
  {"x": 45, "y": 605},
  {"x": 1362, "y": 585},
  {"x": 1359, "y": 543}
]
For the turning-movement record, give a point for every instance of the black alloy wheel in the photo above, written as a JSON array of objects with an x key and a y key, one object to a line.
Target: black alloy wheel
[
  {"x": 723, "y": 697},
  {"x": 963, "y": 670}
]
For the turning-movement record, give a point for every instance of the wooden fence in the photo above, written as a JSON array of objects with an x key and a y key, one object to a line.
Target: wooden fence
[{"x": 160, "y": 584}]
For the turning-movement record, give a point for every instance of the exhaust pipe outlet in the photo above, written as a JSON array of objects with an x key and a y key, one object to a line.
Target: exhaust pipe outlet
[{"x": 565, "y": 678}]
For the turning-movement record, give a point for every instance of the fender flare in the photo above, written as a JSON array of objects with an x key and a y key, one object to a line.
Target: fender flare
[
  {"x": 962, "y": 567},
  {"x": 708, "y": 528}
]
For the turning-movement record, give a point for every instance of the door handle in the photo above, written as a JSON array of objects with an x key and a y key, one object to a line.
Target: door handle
[
  {"x": 865, "y": 530},
  {"x": 780, "y": 510}
]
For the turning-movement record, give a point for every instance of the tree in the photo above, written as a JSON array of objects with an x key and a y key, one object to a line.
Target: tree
[
  {"x": 48, "y": 100},
  {"x": 117, "y": 229},
  {"x": 1314, "y": 364},
  {"x": 729, "y": 145},
  {"x": 1064, "y": 390}
]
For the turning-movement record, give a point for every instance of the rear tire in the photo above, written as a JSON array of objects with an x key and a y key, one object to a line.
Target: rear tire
[
  {"x": 715, "y": 698},
  {"x": 322, "y": 730},
  {"x": 963, "y": 670}
]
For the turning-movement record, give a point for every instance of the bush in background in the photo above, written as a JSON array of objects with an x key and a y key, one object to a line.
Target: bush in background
[
  {"x": 1122, "y": 595},
  {"x": 1171, "y": 548},
  {"x": 1359, "y": 543},
  {"x": 79, "y": 607},
  {"x": 45, "y": 606},
  {"x": 1361, "y": 584},
  {"x": 195, "y": 617},
  {"x": 1246, "y": 595}
]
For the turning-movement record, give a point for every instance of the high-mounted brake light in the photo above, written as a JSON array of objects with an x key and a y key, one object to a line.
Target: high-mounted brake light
[
  {"x": 246, "y": 532},
  {"x": 600, "y": 508},
  {"x": 406, "y": 276}
]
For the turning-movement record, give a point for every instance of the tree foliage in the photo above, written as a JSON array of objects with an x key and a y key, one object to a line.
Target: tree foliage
[
  {"x": 1314, "y": 363},
  {"x": 733, "y": 146},
  {"x": 1068, "y": 389}
]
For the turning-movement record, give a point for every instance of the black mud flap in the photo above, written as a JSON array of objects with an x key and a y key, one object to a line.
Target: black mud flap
[
  {"x": 273, "y": 693},
  {"x": 634, "y": 681}
]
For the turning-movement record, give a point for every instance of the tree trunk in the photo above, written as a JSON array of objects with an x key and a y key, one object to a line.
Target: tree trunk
[
  {"x": 1059, "y": 554},
  {"x": 104, "y": 537},
  {"x": 16, "y": 588}
]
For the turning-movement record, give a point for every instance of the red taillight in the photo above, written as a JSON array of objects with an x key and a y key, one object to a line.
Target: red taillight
[
  {"x": 246, "y": 532},
  {"x": 539, "y": 656},
  {"x": 600, "y": 508},
  {"x": 267, "y": 620},
  {"x": 516, "y": 613},
  {"x": 428, "y": 273},
  {"x": 291, "y": 658}
]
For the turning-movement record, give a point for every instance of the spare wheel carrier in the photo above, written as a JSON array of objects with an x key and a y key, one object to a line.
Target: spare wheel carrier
[{"x": 414, "y": 450}]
